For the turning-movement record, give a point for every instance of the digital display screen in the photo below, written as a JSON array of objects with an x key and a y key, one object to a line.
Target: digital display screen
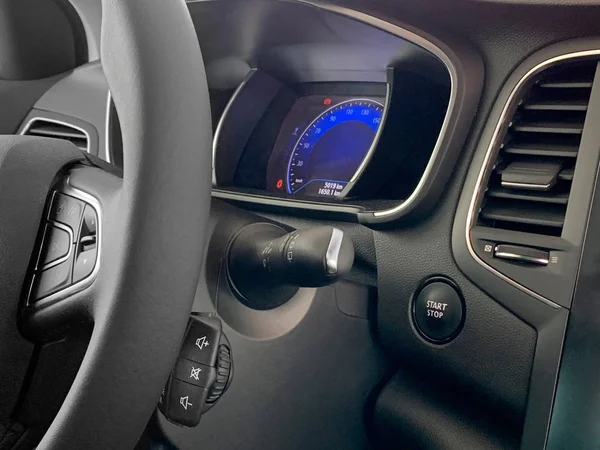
[{"x": 322, "y": 143}]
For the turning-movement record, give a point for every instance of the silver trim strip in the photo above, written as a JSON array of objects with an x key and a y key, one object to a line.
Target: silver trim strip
[
  {"x": 333, "y": 251},
  {"x": 522, "y": 258},
  {"x": 532, "y": 186},
  {"x": 222, "y": 120},
  {"x": 404, "y": 34},
  {"x": 58, "y": 122},
  {"x": 432, "y": 48},
  {"x": 369, "y": 155},
  {"x": 491, "y": 153},
  {"x": 87, "y": 281},
  {"x": 107, "y": 127},
  {"x": 292, "y": 203}
]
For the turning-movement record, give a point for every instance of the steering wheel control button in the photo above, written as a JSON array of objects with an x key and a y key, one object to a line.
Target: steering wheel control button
[
  {"x": 69, "y": 250},
  {"x": 194, "y": 373},
  {"x": 67, "y": 210},
  {"x": 56, "y": 245},
  {"x": 84, "y": 264},
  {"x": 202, "y": 340},
  {"x": 90, "y": 222},
  {"x": 438, "y": 310},
  {"x": 185, "y": 403},
  {"x": 195, "y": 386},
  {"x": 52, "y": 280}
]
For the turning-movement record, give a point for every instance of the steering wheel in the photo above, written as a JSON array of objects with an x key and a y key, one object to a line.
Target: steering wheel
[{"x": 151, "y": 229}]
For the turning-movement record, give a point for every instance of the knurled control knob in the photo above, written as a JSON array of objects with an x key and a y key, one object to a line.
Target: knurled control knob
[{"x": 224, "y": 375}]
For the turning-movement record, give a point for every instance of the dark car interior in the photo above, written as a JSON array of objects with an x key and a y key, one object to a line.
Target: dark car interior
[{"x": 298, "y": 224}]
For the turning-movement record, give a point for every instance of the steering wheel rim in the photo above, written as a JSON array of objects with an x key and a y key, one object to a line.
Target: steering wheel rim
[{"x": 153, "y": 227}]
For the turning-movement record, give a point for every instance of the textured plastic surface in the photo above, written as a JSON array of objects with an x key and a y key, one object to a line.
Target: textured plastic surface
[
  {"x": 406, "y": 258},
  {"x": 21, "y": 96},
  {"x": 439, "y": 418},
  {"x": 280, "y": 378},
  {"x": 82, "y": 95},
  {"x": 37, "y": 40}
]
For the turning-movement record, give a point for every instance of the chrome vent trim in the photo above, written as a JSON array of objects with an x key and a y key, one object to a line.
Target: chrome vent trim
[
  {"x": 76, "y": 133},
  {"x": 492, "y": 153},
  {"x": 529, "y": 188}
]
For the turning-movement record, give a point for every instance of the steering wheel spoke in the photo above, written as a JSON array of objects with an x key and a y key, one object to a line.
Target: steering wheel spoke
[
  {"x": 62, "y": 284},
  {"x": 136, "y": 277}
]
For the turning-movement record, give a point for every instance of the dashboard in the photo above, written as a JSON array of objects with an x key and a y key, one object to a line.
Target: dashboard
[
  {"x": 364, "y": 170},
  {"x": 322, "y": 144},
  {"x": 328, "y": 141},
  {"x": 454, "y": 141},
  {"x": 324, "y": 136}
]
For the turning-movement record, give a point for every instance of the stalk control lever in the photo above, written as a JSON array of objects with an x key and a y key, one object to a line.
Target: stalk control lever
[{"x": 267, "y": 265}]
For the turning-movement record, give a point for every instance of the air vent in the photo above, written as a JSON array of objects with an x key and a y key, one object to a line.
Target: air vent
[
  {"x": 530, "y": 184},
  {"x": 58, "y": 130}
]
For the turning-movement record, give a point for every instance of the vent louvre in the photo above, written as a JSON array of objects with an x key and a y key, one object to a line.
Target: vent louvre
[
  {"x": 529, "y": 187},
  {"x": 58, "y": 130}
]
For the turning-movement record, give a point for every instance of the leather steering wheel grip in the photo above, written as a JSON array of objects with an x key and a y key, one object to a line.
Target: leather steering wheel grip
[{"x": 148, "y": 275}]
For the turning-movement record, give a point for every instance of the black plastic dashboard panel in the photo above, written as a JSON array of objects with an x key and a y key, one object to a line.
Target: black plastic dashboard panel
[
  {"x": 577, "y": 404},
  {"x": 303, "y": 371},
  {"x": 546, "y": 317},
  {"x": 39, "y": 39},
  {"x": 426, "y": 402},
  {"x": 238, "y": 121},
  {"x": 339, "y": 50}
]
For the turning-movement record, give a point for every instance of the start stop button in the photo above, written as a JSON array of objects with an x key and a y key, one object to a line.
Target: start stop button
[{"x": 438, "y": 310}]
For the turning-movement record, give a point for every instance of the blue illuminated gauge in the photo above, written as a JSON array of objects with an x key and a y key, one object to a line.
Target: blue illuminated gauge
[{"x": 331, "y": 149}]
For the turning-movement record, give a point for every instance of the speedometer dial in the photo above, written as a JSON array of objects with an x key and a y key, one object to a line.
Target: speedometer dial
[{"x": 332, "y": 147}]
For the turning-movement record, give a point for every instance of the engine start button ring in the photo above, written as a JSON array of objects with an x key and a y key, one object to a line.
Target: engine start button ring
[{"x": 438, "y": 310}]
